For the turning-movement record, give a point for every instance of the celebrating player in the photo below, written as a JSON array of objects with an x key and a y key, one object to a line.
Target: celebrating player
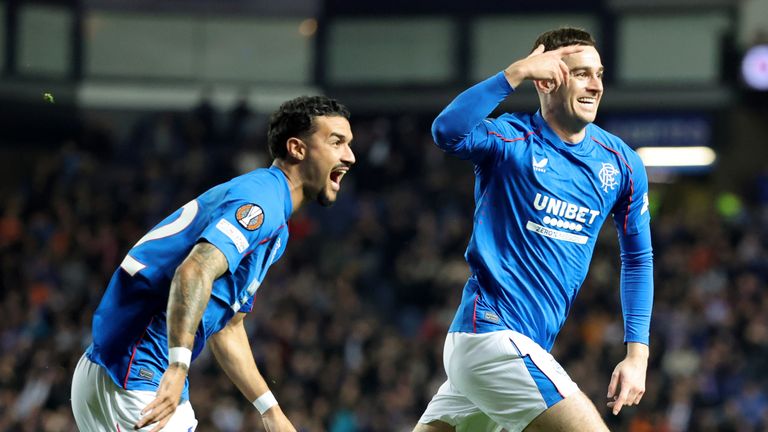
[
  {"x": 545, "y": 183},
  {"x": 192, "y": 278}
]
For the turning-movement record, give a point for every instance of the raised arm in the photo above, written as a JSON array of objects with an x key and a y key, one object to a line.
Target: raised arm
[
  {"x": 452, "y": 128},
  {"x": 232, "y": 350},
  {"x": 190, "y": 291}
]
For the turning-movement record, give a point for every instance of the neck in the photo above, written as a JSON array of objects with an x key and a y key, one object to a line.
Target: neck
[
  {"x": 570, "y": 134},
  {"x": 295, "y": 184}
]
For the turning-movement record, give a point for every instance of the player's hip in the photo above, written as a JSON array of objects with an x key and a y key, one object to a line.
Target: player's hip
[
  {"x": 505, "y": 361},
  {"x": 98, "y": 404},
  {"x": 496, "y": 380}
]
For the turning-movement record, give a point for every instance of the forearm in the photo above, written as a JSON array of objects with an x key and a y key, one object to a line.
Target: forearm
[
  {"x": 637, "y": 286},
  {"x": 469, "y": 109},
  {"x": 232, "y": 351}
]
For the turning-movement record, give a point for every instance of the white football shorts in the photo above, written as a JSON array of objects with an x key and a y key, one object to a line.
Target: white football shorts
[
  {"x": 497, "y": 381},
  {"x": 101, "y": 406}
]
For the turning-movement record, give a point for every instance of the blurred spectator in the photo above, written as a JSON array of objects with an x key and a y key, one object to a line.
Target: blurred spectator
[{"x": 354, "y": 342}]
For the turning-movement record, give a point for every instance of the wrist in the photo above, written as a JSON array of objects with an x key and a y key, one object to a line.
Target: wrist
[
  {"x": 179, "y": 356},
  {"x": 514, "y": 75},
  {"x": 637, "y": 350},
  {"x": 265, "y": 402}
]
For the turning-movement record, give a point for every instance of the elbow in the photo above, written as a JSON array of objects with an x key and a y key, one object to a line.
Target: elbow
[
  {"x": 438, "y": 131},
  {"x": 190, "y": 273},
  {"x": 187, "y": 271},
  {"x": 638, "y": 258}
]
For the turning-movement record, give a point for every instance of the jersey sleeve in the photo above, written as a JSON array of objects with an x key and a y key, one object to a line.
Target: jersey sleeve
[
  {"x": 632, "y": 218},
  {"x": 463, "y": 129},
  {"x": 238, "y": 225},
  {"x": 631, "y": 213},
  {"x": 247, "y": 307},
  {"x": 636, "y": 285}
]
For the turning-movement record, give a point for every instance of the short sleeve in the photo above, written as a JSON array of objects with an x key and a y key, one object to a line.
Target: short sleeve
[
  {"x": 237, "y": 226},
  {"x": 247, "y": 307}
]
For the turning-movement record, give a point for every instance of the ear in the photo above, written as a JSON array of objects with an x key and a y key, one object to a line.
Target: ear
[
  {"x": 297, "y": 149},
  {"x": 544, "y": 86}
]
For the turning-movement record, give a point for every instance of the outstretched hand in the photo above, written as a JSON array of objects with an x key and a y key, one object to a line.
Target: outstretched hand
[
  {"x": 166, "y": 400},
  {"x": 541, "y": 65},
  {"x": 627, "y": 384}
]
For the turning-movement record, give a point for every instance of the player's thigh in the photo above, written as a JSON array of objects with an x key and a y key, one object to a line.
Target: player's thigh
[
  {"x": 509, "y": 377},
  {"x": 89, "y": 405},
  {"x": 447, "y": 408},
  {"x": 127, "y": 408},
  {"x": 575, "y": 413}
]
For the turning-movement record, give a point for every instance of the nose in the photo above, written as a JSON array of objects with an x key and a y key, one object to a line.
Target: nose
[
  {"x": 349, "y": 156},
  {"x": 595, "y": 84}
]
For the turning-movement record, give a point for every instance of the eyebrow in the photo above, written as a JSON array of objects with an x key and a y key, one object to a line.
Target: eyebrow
[
  {"x": 580, "y": 68},
  {"x": 340, "y": 136}
]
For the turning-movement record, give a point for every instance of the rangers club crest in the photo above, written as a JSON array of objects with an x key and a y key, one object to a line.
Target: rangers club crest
[
  {"x": 250, "y": 216},
  {"x": 608, "y": 176}
]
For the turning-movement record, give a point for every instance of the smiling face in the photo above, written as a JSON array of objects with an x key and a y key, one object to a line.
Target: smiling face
[
  {"x": 574, "y": 105},
  {"x": 328, "y": 158}
]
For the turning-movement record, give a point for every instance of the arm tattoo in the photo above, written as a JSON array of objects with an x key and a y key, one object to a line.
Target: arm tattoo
[{"x": 190, "y": 292}]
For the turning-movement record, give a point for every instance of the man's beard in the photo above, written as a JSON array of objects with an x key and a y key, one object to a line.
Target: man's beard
[{"x": 323, "y": 199}]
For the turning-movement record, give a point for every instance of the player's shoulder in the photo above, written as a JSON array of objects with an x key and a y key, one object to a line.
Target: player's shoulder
[
  {"x": 521, "y": 121},
  {"x": 513, "y": 125},
  {"x": 615, "y": 144},
  {"x": 261, "y": 183},
  {"x": 263, "y": 191}
]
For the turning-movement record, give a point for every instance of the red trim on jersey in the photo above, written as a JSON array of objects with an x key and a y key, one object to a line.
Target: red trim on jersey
[
  {"x": 130, "y": 362},
  {"x": 505, "y": 139},
  {"x": 270, "y": 238},
  {"x": 474, "y": 315},
  {"x": 631, "y": 181},
  {"x": 118, "y": 426}
]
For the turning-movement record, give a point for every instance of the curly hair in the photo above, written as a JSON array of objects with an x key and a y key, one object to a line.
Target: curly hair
[
  {"x": 564, "y": 36},
  {"x": 295, "y": 118}
]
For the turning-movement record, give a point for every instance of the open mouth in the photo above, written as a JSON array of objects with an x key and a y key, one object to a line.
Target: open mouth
[
  {"x": 588, "y": 101},
  {"x": 336, "y": 176}
]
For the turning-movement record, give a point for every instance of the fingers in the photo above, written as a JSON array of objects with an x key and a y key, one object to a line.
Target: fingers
[
  {"x": 561, "y": 52},
  {"x": 568, "y": 50},
  {"x": 158, "y": 411},
  {"x": 161, "y": 424},
  {"x": 617, "y": 405},
  {"x": 629, "y": 396},
  {"x": 621, "y": 400},
  {"x": 565, "y": 71},
  {"x": 613, "y": 384}
]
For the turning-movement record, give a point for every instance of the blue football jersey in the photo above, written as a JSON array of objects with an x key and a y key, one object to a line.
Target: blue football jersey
[
  {"x": 540, "y": 204},
  {"x": 245, "y": 218}
]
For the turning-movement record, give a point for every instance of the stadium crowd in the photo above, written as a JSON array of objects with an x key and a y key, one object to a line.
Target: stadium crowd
[{"x": 348, "y": 327}]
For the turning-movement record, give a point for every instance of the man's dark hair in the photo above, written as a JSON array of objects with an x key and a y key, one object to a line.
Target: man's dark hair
[
  {"x": 295, "y": 118},
  {"x": 564, "y": 36}
]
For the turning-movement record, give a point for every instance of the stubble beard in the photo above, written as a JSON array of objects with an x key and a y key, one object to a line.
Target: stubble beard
[{"x": 323, "y": 199}]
